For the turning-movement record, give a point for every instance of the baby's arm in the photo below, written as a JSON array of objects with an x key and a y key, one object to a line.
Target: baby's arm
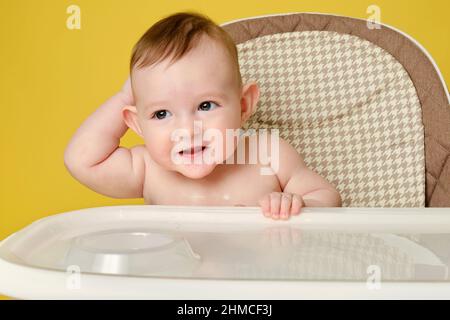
[
  {"x": 93, "y": 155},
  {"x": 302, "y": 187}
]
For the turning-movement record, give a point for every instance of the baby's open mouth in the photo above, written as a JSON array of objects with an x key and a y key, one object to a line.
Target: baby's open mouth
[{"x": 192, "y": 151}]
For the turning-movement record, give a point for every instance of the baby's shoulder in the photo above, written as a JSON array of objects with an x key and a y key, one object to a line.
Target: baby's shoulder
[
  {"x": 284, "y": 157},
  {"x": 142, "y": 152},
  {"x": 262, "y": 140}
]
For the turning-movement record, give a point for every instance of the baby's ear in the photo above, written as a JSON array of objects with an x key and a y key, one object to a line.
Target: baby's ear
[
  {"x": 249, "y": 100},
  {"x": 130, "y": 116}
]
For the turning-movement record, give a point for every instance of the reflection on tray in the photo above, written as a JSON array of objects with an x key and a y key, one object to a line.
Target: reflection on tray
[{"x": 287, "y": 253}]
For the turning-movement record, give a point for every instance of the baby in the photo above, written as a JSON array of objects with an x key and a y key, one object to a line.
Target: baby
[{"x": 185, "y": 82}]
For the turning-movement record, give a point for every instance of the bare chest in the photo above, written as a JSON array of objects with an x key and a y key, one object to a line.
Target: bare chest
[{"x": 227, "y": 185}]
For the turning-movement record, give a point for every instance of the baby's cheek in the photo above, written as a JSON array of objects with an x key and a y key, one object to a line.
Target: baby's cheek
[
  {"x": 230, "y": 142},
  {"x": 159, "y": 152}
]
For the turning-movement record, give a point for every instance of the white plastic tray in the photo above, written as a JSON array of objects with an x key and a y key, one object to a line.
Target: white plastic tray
[{"x": 173, "y": 252}]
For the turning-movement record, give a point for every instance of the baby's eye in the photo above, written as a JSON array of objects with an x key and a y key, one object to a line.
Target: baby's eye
[
  {"x": 206, "y": 105},
  {"x": 160, "y": 114}
]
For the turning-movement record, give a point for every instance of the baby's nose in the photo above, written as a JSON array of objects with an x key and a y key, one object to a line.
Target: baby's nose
[{"x": 193, "y": 127}]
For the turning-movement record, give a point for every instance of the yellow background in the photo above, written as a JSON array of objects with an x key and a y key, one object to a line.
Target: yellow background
[{"x": 52, "y": 78}]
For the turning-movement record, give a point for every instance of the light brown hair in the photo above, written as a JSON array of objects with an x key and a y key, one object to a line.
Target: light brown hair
[{"x": 176, "y": 35}]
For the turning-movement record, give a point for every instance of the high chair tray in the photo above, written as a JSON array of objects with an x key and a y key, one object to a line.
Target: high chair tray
[{"x": 194, "y": 252}]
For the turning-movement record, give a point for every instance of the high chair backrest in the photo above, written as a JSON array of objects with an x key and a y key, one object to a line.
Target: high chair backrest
[{"x": 365, "y": 107}]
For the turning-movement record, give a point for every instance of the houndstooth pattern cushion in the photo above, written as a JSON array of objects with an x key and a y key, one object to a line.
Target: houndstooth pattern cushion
[{"x": 348, "y": 107}]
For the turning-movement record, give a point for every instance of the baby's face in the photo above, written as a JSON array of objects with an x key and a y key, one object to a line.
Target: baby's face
[{"x": 203, "y": 87}]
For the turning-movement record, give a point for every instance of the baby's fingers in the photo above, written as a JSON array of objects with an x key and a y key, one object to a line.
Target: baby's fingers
[
  {"x": 264, "y": 202},
  {"x": 275, "y": 202},
  {"x": 297, "y": 204},
  {"x": 280, "y": 205},
  {"x": 285, "y": 208}
]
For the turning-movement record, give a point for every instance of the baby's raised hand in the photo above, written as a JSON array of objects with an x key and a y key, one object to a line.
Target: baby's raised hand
[
  {"x": 128, "y": 92},
  {"x": 281, "y": 205}
]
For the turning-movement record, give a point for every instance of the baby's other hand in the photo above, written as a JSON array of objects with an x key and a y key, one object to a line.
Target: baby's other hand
[{"x": 281, "y": 205}]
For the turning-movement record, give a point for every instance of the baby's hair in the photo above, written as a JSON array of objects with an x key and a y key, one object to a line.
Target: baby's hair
[{"x": 176, "y": 35}]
